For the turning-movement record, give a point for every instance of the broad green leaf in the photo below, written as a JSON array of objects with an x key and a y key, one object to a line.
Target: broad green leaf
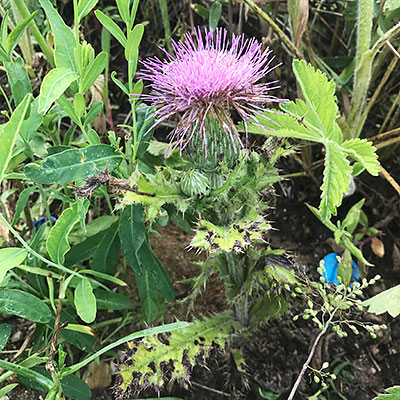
[
  {"x": 9, "y": 133},
  {"x": 85, "y": 301},
  {"x": 57, "y": 244},
  {"x": 353, "y": 216},
  {"x": 18, "y": 79},
  {"x": 75, "y": 388},
  {"x": 106, "y": 254},
  {"x": 24, "y": 305},
  {"x": 112, "y": 301},
  {"x": 148, "y": 295},
  {"x": 158, "y": 274},
  {"x": 17, "y": 32},
  {"x": 386, "y": 301},
  {"x": 5, "y": 332},
  {"x": 10, "y": 257},
  {"x": 84, "y": 7},
  {"x": 363, "y": 152},
  {"x": 112, "y": 27},
  {"x": 44, "y": 382},
  {"x": 93, "y": 71},
  {"x": 336, "y": 179},
  {"x": 79, "y": 105},
  {"x": 132, "y": 232},
  {"x": 215, "y": 14},
  {"x": 319, "y": 93},
  {"x": 74, "y": 164},
  {"x": 393, "y": 393},
  {"x": 132, "y": 45},
  {"x": 22, "y": 201},
  {"x": 54, "y": 84},
  {"x": 64, "y": 39}
]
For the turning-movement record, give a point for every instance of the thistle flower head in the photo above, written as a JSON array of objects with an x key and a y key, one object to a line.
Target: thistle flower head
[{"x": 206, "y": 79}]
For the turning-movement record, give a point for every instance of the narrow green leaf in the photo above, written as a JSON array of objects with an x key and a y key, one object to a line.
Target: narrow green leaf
[
  {"x": 74, "y": 164},
  {"x": 79, "y": 105},
  {"x": 106, "y": 255},
  {"x": 85, "y": 301},
  {"x": 100, "y": 275},
  {"x": 363, "y": 152},
  {"x": 6, "y": 389},
  {"x": 54, "y": 84},
  {"x": 123, "y": 9},
  {"x": 119, "y": 83},
  {"x": 111, "y": 26},
  {"x": 10, "y": 257},
  {"x": 4, "y": 30},
  {"x": 336, "y": 179},
  {"x": 84, "y": 7},
  {"x": 57, "y": 244},
  {"x": 93, "y": 112},
  {"x": 17, "y": 32},
  {"x": 5, "y": 332},
  {"x": 353, "y": 216},
  {"x": 132, "y": 232},
  {"x": 354, "y": 250},
  {"x": 9, "y": 133},
  {"x": 24, "y": 305},
  {"x": 18, "y": 79},
  {"x": 132, "y": 45},
  {"x": 67, "y": 107},
  {"x": 32, "y": 123},
  {"x": 112, "y": 301},
  {"x": 22, "y": 201},
  {"x": 64, "y": 39},
  {"x": 148, "y": 295},
  {"x": 93, "y": 71},
  {"x": 215, "y": 14},
  {"x": 386, "y": 301}
]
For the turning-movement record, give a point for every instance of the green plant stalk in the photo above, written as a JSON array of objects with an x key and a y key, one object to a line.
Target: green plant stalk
[
  {"x": 166, "y": 24},
  {"x": 136, "y": 335},
  {"x": 361, "y": 84},
  {"x": 44, "y": 46}
]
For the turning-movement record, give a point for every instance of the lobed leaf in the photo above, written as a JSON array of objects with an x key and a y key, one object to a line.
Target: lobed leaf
[{"x": 386, "y": 301}]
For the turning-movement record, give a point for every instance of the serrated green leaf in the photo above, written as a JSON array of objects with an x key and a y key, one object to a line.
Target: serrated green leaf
[
  {"x": 393, "y": 394},
  {"x": 57, "y": 244},
  {"x": 386, "y": 301},
  {"x": 5, "y": 332},
  {"x": 64, "y": 39},
  {"x": 363, "y": 152},
  {"x": 336, "y": 179},
  {"x": 54, "y": 84},
  {"x": 9, "y": 133},
  {"x": 85, "y": 301},
  {"x": 319, "y": 93},
  {"x": 181, "y": 350},
  {"x": 24, "y": 305},
  {"x": 74, "y": 164},
  {"x": 9, "y": 258}
]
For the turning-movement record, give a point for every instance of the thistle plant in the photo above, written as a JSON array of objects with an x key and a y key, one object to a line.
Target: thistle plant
[{"x": 206, "y": 79}]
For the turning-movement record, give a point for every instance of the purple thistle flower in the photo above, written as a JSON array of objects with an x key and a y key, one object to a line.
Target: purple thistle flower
[{"x": 207, "y": 79}]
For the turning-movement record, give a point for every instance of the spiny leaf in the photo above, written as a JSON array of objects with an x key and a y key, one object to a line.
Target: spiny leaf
[
  {"x": 386, "y": 301},
  {"x": 364, "y": 152},
  {"x": 336, "y": 179},
  {"x": 157, "y": 359}
]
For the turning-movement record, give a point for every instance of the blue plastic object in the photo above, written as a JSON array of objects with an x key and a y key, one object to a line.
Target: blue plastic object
[
  {"x": 331, "y": 269},
  {"x": 41, "y": 221}
]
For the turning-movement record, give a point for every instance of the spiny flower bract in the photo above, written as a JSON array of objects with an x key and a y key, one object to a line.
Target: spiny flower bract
[{"x": 206, "y": 79}]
